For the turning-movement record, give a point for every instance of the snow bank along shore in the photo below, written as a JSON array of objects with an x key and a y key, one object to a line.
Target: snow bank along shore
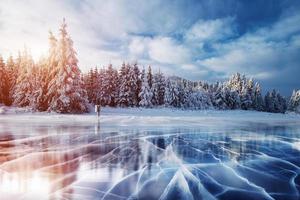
[{"x": 140, "y": 117}]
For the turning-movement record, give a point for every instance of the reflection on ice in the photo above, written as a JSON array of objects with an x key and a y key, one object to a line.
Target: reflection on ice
[
  {"x": 17, "y": 183},
  {"x": 253, "y": 161},
  {"x": 296, "y": 145}
]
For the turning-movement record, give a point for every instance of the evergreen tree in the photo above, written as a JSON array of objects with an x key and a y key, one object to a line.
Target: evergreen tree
[
  {"x": 114, "y": 87},
  {"x": 53, "y": 69},
  {"x": 135, "y": 84},
  {"x": 89, "y": 84},
  {"x": 246, "y": 94},
  {"x": 269, "y": 102},
  {"x": 3, "y": 80},
  {"x": 158, "y": 89},
  {"x": 39, "y": 80},
  {"x": 258, "y": 102},
  {"x": 139, "y": 80},
  {"x": 12, "y": 75},
  {"x": 185, "y": 92},
  {"x": 174, "y": 95},
  {"x": 145, "y": 94},
  {"x": 65, "y": 91},
  {"x": 23, "y": 89},
  {"x": 199, "y": 100},
  {"x": 168, "y": 98},
  {"x": 101, "y": 91},
  {"x": 219, "y": 97},
  {"x": 96, "y": 86},
  {"x": 109, "y": 86},
  {"x": 106, "y": 90},
  {"x": 281, "y": 105},
  {"x": 294, "y": 102},
  {"x": 150, "y": 77},
  {"x": 274, "y": 102},
  {"x": 232, "y": 99},
  {"x": 124, "y": 89}
]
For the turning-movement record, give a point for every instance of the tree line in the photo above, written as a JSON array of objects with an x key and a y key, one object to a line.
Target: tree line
[
  {"x": 55, "y": 83},
  {"x": 52, "y": 84},
  {"x": 133, "y": 87}
]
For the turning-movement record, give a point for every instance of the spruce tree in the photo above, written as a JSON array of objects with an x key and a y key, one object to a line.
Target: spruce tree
[
  {"x": 145, "y": 94},
  {"x": 23, "y": 89},
  {"x": 150, "y": 77},
  {"x": 258, "y": 102},
  {"x": 219, "y": 97},
  {"x": 168, "y": 93},
  {"x": 124, "y": 88},
  {"x": 294, "y": 102},
  {"x": 39, "y": 86},
  {"x": 65, "y": 92},
  {"x": 3, "y": 80},
  {"x": 158, "y": 89},
  {"x": 12, "y": 75}
]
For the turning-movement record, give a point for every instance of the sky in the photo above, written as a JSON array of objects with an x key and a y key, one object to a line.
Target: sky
[{"x": 195, "y": 39}]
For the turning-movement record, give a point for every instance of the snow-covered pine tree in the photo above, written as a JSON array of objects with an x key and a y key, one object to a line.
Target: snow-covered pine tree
[
  {"x": 135, "y": 84},
  {"x": 88, "y": 85},
  {"x": 96, "y": 86},
  {"x": 3, "y": 80},
  {"x": 36, "y": 88},
  {"x": 65, "y": 91},
  {"x": 39, "y": 73},
  {"x": 172, "y": 94},
  {"x": 124, "y": 88},
  {"x": 52, "y": 68},
  {"x": 274, "y": 102},
  {"x": 232, "y": 99},
  {"x": 185, "y": 91},
  {"x": 199, "y": 100},
  {"x": 236, "y": 82},
  {"x": 114, "y": 88},
  {"x": 281, "y": 106},
  {"x": 145, "y": 93},
  {"x": 158, "y": 89},
  {"x": 269, "y": 102},
  {"x": 168, "y": 93},
  {"x": 150, "y": 77},
  {"x": 138, "y": 79},
  {"x": 219, "y": 97},
  {"x": 12, "y": 75},
  {"x": 247, "y": 94},
  {"x": 258, "y": 101},
  {"x": 294, "y": 102},
  {"x": 23, "y": 89},
  {"x": 102, "y": 93},
  {"x": 109, "y": 86},
  {"x": 106, "y": 86}
]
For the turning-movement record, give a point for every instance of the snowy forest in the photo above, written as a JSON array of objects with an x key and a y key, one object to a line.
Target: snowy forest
[{"x": 56, "y": 84}]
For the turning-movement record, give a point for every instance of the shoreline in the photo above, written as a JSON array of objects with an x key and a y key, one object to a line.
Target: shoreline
[{"x": 152, "y": 117}]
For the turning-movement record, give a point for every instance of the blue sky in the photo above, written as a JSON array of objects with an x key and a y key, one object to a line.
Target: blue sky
[{"x": 196, "y": 39}]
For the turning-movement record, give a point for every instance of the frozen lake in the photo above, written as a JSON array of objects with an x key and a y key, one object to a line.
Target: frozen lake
[{"x": 129, "y": 156}]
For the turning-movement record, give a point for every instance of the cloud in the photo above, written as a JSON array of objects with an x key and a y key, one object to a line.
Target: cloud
[
  {"x": 211, "y": 30},
  {"x": 165, "y": 50},
  {"x": 191, "y": 38},
  {"x": 269, "y": 54},
  {"x": 138, "y": 47}
]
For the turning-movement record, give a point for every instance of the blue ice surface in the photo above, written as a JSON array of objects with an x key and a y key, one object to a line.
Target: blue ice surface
[{"x": 245, "y": 161}]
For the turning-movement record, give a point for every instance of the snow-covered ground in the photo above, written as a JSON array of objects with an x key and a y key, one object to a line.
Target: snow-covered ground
[{"x": 156, "y": 117}]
